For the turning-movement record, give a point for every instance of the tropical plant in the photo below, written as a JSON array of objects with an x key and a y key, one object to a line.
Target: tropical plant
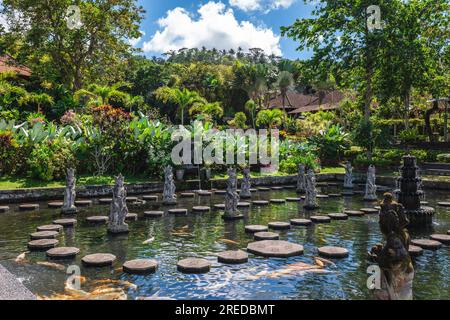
[
  {"x": 185, "y": 98},
  {"x": 208, "y": 111},
  {"x": 331, "y": 144},
  {"x": 96, "y": 95},
  {"x": 270, "y": 118},
  {"x": 251, "y": 108}
]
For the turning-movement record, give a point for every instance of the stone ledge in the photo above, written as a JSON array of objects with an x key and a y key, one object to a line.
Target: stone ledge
[{"x": 11, "y": 288}]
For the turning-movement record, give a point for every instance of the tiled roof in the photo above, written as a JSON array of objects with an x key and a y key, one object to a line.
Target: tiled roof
[
  {"x": 7, "y": 63},
  {"x": 298, "y": 102}
]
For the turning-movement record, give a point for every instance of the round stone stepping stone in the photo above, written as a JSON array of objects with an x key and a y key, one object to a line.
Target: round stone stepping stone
[
  {"x": 243, "y": 204},
  {"x": 187, "y": 195},
  {"x": 333, "y": 184},
  {"x": 320, "y": 219},
  {"x": 253, "y": 190},
  {"x": 444, "y": 204},
  {"x": 338, "y": 216},
  {"x": 50, "y": 227},
  {"x": 259, "y": 236},
  {"x": 443, "y": 238},
  {"x": 204, "y": 193},
  {"x": 255, "y": 228},
  {"x": 65, "y": 222},
  {"x": 201, "y": 209},
  {"x": 293, "y": 199},
  {"x": 377, "y": 207},
  {"x": 415, "y": 251},
  {"x": 153, "y": 214},
  {"x": 131, "y": 217},
  {"x": 290, "y": 187},
  {"x": 275, "y": 248},
  {"x": 97, "y": 219},
  {"x": 193, "y": 265},
  {"x": 104, "y": 200},
  {"x": 278, "y": 201},
  {"x": 301, "y": 222},
  {"x": 44, "y": 235},
  {"x": 83, "y": 203},
  {"x": 322, "y": 196},
  {"x": 140, "y": 266},
  {"x": 278, "y": 225},
  {"x": 348, "y": 193},
  {"x": 219, "y": 206},
  {"x": 369, "y": 210},
  {"x": 178, "y": 211},
  {"x": 333, "y": 252},
  {"x": 276, "y": 188},
  {"x": 263, "y": 189},
  {"x": 98, "y": 260},
  {"x": 233, "y": 257},
  {"x": 448, "y": 232},
  {"x": 260, "y": 202},
  {"x": 427, "y": 244},
  {"x": 220, "y": 191},
  {"x": 354, "y": 213},
  {"x": 63, "y": 252},
  {"x": 28, "y": 207},
  {"x": 424, "y": 203},
  {"x": 335, "y": 195},
  {"x": 55, "y": 205},
  {"x": 132, "y": 199},
  {"x": 4, "y": 209},
  {"x": 150, "y": 198},
  {"x": 322, "y": 184},
  {"x": 42, "y": 244}
]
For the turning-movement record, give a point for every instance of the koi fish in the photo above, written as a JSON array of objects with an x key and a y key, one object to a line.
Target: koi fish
[
  {"x": 229, "y": 241},
  {"x": 149, "y": 240}
]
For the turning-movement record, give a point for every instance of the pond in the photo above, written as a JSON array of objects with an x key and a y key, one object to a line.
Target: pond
[{"x": 206, "y": 234}]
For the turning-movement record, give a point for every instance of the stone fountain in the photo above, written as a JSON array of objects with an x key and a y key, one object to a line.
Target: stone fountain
[
  {"x": 246, "y": 184},
  {"x": 232, "y": 197},
  {"x": 70, "y": 193},
  {"x": 311, "y": 191},
  {"x": 409, "y": 194},
  {"x": 301, "y": 179},
  {"x": 169, "y": 196},
  {"x": 348, "y": 179},
  {"x": 118, "y": 210},
  {"x": 371, "y": 186}
]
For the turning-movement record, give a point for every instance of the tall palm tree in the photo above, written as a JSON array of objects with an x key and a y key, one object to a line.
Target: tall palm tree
[
  {"x": 185, "y": 98},
  {"x": 284, "y": 83},
  {"x": 251, "y": 107},
  {"x": 100, "y": 95}
]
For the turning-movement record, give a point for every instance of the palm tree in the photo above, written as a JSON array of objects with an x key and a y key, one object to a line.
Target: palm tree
[
  {"x": 270, "y": 118},
  {"x": 39, "y": 99},
  {"x": 284, "y": 83},
  {"x": 100, "y": 95},
  {"x": 251, "y": 107},
  {"x": 185, "y": 98}
]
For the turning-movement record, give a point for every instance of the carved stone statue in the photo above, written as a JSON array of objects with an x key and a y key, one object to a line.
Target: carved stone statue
[
  {"x": 397, "y": 271},
  {"x": 70, "y": 193},
  {"x": 371, "y": 187},
  {"x": 301, "y": 179},
  {"x": 348, "y": 180},
  {"x": 232, "y": 197},
  {"x": 169, "y": 196},
  {"x": 311, "y": 191},
  {"x": 118, "y": 210},
  {"x": 246, "y": 184}
]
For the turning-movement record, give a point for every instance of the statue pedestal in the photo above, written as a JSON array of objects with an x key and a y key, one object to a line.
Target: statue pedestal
[
  {"x": 118, "y": 229},
  {"x": 401, "y": 287},
  {"x": 68, "y": 211},
  {"x": 170, "y": 202},
  {"x": 235, "y": 216}
]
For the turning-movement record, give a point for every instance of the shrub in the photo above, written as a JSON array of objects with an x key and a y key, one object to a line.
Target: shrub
[
  {"x": 331, "y": 144},
  {"x": 444, "y": 157},
  {"x": 411, "y": 135}
]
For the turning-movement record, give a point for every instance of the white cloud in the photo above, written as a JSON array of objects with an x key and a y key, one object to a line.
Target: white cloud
[
  {"x": 261, "y": 5},
  {"x": 214, "y": 27}
]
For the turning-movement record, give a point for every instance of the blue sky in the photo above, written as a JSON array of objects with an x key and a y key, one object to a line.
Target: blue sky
[{"x": 224, "y": 24}]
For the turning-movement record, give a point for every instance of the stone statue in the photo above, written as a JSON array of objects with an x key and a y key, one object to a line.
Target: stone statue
[
  {"x": 397, "y": 271},
  {"x": 246, "y": 184},
  {"x": 371, "y": 187},
  {"x": 311, "y": 192},
  {"x": 70, "y": 193},
  {"x": 169, "y": 196},
  {"x": 118, "y": 210},
  {"x": 301, "y": 179},
  {"x": 348, "y": 180},
  {"x": 232, "y": 197}
]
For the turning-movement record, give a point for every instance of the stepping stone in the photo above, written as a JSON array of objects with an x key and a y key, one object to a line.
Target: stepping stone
[
  {"x": 97, "y": 219},
  {"x": 260, "y": 202},
  {"x": 50, "y": 227},
  {"x": 98, "y": 260},
  {"x": 363, "y": 193},
  {"x": 44, "y": 235},
  {"x": 256, "y": 228},
  {"x": 448, "y": 232},
  {"x": 275, "y": 248},
  {"x": 369, "y": 210},
  {"x": 201, "y": 209},
  {"x": 150, "y": 198},
  {"x": 83, "y": 203},
  {"x": 293, "y": 199},
  {"x": 140, "y": 266},
  {"x": 204, "y": 193},
  {"x": 320, "y": 219},
  {"x": 63, "y": 252},
  {"x": 427, "y": 244},
  {"x": 153, "y": 214},
  {"x": 132, "y": 199},
  {"x": 259, "y": 236},
  {"x": 278, "y": 201},
  {"x": 444, "y": 204},
  {"x": 335, "y": 195},
  {"x": 253, "y": 190},
  {"x": 338, "y": 216},
  {"x": 322, "y": 196},
  {"x": 290, "y": 187},
  {"x": 104, "y": 200},
  {"x": 276, "y": 188},
  {"x": 178, "y": 211},
  {"x": 322, "y": 184},
  {"x": 219, "y": 206},
  {"x": 333, "y": 252},
  {"x": 220, "y": 191},
  {"x": 28, "y": 207},
  {"x": 55, "y": 205},
  {"x": 277, "y": 225},
  {"x": 42, "y": 244},
  {"x": 4, "y": 209},
  {"x": 232, "y": 218},
  {"x": 66, "y": 222},
  {"x": 348, "y": 193},
  {"x": 243, "y": 204},
  {"x": 301, "y": 222},
  {"x": 233, "y": 257},
  {"x": 354, "y": 213},
  {"x": 443, "y": 238},
  {"x": 424, "y": 203},
  {"x": 187, "y": 195},
  {"x": 263, "y": 189},
  {"x": 193, "y": 265},
  {"x": 131, "y": 217},
  {"x": 377, "y": 207},
  {"x": 333, "y": 184},
  {"x": 415, "y": 251}
]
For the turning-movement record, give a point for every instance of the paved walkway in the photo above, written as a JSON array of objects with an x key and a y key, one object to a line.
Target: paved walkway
[{"x": 11, "y": 288}]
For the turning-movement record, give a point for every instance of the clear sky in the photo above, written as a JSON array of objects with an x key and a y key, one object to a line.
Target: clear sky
[{"x": 223, "y": 24}]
